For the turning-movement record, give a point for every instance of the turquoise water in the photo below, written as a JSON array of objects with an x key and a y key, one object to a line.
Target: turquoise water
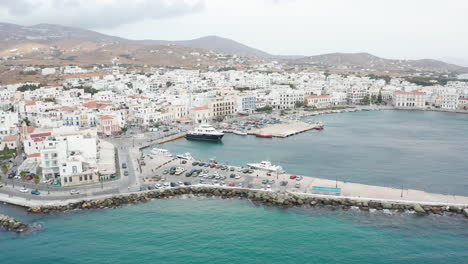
[
  {"x": 234, "y": 231},
  {"x": 419, "y": 150},
  {"x": 424, "y": 150}
]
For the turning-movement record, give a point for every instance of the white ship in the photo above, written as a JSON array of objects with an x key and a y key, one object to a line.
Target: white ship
[
  {"x": 265, "y": 165},
  {"x": 205, "y": 132},
  {"x": 185, "y": 156},
  {"x": 161, "y": 152}
]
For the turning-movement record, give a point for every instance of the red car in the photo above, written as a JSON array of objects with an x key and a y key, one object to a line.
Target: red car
[
  {"x": 292, "y": 177},
  {"x": 213, "y": 166},
  {"x": 232, "y": 184}
]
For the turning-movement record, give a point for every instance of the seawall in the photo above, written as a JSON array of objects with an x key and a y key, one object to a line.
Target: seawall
[{"x": 283, "y": 199}]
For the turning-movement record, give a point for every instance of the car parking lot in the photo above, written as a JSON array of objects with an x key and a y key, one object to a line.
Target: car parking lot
[{"x": 177, "y": 172}]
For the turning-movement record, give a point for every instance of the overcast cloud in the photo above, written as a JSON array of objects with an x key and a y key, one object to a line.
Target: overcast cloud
[{"x": 411, "y": 29}]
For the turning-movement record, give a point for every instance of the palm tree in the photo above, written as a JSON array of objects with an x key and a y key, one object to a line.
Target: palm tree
[
  {"x": 23, "y": 175},
  {"x": 4, "y": 168},
  {"x": 36, "y": 180}
]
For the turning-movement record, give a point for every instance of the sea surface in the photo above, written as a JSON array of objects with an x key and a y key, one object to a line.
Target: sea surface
[
  {"x": 418, "y": 150},
  {"x": 370, "y": 146}
]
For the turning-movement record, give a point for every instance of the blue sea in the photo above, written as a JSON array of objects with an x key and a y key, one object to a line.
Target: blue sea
[{"x": 421, "y": 149}]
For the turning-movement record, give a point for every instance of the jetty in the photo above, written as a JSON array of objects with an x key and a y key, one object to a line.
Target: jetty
[{"x": 288, "y": 129}]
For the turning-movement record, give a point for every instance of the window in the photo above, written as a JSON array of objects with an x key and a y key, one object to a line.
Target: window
[
  {"x": 90, "y": 177},
  {"x": 86, "y": 177},
  {"x": 81, "y": 178},
  {"x": 74, "y": 169},
  {"x": 70, "y": 179},
  {"x": 65, "y": 179}
]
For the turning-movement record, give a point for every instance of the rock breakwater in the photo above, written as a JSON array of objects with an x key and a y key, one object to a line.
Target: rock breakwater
[
  {"x": 283, "y": 199},
  {"x": 10, "y": 224}
]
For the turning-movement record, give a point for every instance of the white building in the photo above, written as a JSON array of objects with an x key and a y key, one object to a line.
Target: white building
[{"x": 414, "y": 99}]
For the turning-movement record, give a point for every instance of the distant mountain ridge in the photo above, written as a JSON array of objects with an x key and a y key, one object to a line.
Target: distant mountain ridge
[
  {"x": 87, "y": 46},
  {"x": 216, "y": 44}
]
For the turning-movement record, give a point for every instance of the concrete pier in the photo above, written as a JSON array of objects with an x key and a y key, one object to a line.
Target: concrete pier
[{"x": 283, "y": 130}]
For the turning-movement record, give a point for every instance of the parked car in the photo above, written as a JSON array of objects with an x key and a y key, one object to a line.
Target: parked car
[
  {"x": 24, "y": 190},
  {"x": 184, "y": 162},
  {"x": 125, "y": 173},
  {"x": 232, "y": 184},
  {"x": 298, "y": 185},
  {"x": 195, "y": 163},
  {"x": 173, "y": 184},
  {"x": 35, "y": 192},
  {"x": 29, "y": 178},
  {"x": 124, "y": 165},
  {"x": 298, "y": 178},
  {"x": 213, "y": 165},
  {"x": 72, "y": 192},
  {"x": 187, "y": 183},
  {"x": 292, "y": 177},
  {"x": 232, "y": 175}
]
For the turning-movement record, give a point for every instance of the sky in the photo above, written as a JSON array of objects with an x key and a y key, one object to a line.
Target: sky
[{"x": 397, "y": 29}]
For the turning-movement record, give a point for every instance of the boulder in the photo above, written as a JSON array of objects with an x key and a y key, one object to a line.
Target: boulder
[
  {"x": 419, "y": 210},
  {"x": 465, "y": 212}
]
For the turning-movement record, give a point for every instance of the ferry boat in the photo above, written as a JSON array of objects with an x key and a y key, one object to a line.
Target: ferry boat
[
  {"x": 161, "y": 152},
  {"x": 205, "y": 132},
  {"x": 265, "y": 165},
  {"x": 185, "y": 156}
]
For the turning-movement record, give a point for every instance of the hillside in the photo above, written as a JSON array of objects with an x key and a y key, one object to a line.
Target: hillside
[
  {"x": 216, "y": 44},
  {"x": 366, "y": 61},
  {"x": 59, "y": 45}
]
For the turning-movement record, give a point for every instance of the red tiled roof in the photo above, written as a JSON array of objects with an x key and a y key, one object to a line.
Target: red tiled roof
[
  {"x": 34, "y": 155},
  {"x": 28, "y": 103},
  {"x": 318, "y": 96},
  {"x": 68, "y": 108},
  {"x": 10, "y": 138},
  {"x": 106, "y": 117},
  {"x": 46, "y": 134},
  {"x": 200, "y": 108},
  {"x": 413, "y": 92},
  {"x": 260, "y": 102}
]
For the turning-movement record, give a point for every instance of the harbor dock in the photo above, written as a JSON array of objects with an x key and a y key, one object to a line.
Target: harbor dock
[{"x": 283, "y": 130}]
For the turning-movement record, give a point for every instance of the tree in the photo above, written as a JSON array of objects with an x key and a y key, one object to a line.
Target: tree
[
  {"x": 379, "y": 97},
  {"x": 365, "y": 100},
  {"x": 4, "y": 168},
  {"x": 26, "y": 120},
  {"x": 299, "y": 104},
  {"x": 23, "y": 175},
  {"x": 36, "y": 179}
]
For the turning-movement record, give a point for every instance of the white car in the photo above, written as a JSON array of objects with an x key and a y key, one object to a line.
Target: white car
[
  {"x": 72, "y": 192},
  {"x": 24, "y": 190},
  {"x": 298, "y": 178},
  {"x": 237, "y": 177},
  {"x": 180, "y": 183}
]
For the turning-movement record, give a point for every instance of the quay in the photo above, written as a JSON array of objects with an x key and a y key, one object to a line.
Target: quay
[{"x": 287, "y": 129}]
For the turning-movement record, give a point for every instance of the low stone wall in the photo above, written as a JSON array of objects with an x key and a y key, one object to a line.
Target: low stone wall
[
  {"x": 263, "y": 197},
  {"x": 10, "y": 224}
]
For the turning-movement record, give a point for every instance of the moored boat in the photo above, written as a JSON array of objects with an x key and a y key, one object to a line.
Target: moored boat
[
  {"x": 240, "y": 133},
  {"x": 186, "y": 156},
  {"x": 205, "y": 132},
  {"x": 263, "y": 136},
  {"x": 161, "y": 152},
  {"x": 265, "y": 165}
]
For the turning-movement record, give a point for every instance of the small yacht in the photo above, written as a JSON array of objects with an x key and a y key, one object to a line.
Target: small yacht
[
  {"x": 240, "y": 133},
  {"x": 161, "y": 152},
  {"x": 265, "y": 165},
  {"x": 205, "y": 132},
  {"x": 185, "y": 156}
]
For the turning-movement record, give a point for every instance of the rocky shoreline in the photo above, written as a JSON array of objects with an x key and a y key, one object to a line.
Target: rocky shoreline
[
  {"x": 258, "y": 196},
  {"x": 10, "y": 224}
]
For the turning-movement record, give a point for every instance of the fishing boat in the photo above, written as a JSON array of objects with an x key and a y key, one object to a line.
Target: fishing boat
[{"x": 265, "y": 165}]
